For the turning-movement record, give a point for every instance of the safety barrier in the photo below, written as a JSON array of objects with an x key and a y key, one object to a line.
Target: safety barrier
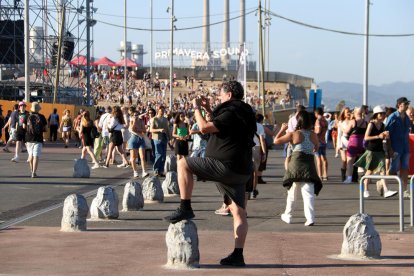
[{"x": 401, "y": 195}]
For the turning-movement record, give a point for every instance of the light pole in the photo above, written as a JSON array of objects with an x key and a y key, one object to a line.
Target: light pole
[
  {"x": 26, "y": 52},
  {"x": 125, "y": 47},
  {"x": 151, "y": 43},
  {"x": 88, "y": 52},
  {"x": 366, "y": 53},
  {"x": 171, "y": 52}
]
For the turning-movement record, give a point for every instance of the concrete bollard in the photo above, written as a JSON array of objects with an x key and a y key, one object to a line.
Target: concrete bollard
[
  {"x": 170, "y": 163},
  {"x": 75, "y": 211},
  {"x": 170, "y": 184},
  {"x": 105, "y": 204},
  {"x": 361, "y": 240},
  {"x": 182, "y": 245},
  {"x": 152, "y": 190},
  {"x": 133, "y": 199},
  {"x": 81, "y": 169}
]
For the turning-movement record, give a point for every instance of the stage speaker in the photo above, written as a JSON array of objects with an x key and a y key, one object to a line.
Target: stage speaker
[
  {"x": 68, "y": 47},
  {"x": 11, "y": 42}
]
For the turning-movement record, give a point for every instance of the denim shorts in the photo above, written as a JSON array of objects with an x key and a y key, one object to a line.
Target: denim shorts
[
  {"x": 401, "y": 161},
  {"x": 136, "y": 142},
  {"x": 322, "y": 150}
]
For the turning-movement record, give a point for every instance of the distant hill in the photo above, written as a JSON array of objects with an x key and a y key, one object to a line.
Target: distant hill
[{"x": 351, "y": 93}]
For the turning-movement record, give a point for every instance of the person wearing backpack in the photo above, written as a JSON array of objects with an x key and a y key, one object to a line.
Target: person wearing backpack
[{"x": 35, "y": 125}]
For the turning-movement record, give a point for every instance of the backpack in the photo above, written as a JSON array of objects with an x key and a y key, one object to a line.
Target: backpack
[
  {"x": 34, "y": 125},
  {"x": 94, "y": 132}
]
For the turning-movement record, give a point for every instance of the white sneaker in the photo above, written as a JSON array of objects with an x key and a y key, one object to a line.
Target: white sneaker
[
  {"x": 407, "y": 194},
  {"x": 15, "y": 159},
  {"x": 309, "y": 223},
  {"x": 366, "y": 194},
  {"x": 96, "y": 166},
  {"x": 145, "y": 174},
  {"x": 390, "y": 193},
  {"x": 286, "y": 218},
  {"x": 136, "y": 174},
  {"x": 348, "y": 180},
  {"x": 336, "y": 155},
  {"x": 123, "y": 165}
]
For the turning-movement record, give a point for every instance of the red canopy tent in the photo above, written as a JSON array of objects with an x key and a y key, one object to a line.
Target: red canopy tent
[
  {"x": 130, "y": 63},
  {"x": 80, "y": 60},
  {"x": 104, "y": 61}
]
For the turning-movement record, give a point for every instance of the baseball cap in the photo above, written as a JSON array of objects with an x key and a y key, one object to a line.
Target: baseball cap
[
  {"x": 402, "y": 100},
  {"x": 22, "y": 103}
]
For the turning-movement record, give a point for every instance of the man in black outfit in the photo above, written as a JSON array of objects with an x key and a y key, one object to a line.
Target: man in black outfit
[{"x": 227, "y": 161}]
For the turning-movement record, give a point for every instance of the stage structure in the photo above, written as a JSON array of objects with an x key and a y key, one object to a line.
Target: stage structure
[
  {"x": 46, "y": 17},
  {"x": 193, "y": 55}
]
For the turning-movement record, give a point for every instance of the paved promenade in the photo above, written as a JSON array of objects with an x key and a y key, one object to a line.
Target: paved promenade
[{"x": 31, "y": 210}]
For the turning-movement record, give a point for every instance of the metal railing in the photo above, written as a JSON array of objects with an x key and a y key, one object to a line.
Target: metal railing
[{"x": 401, "y": 195}]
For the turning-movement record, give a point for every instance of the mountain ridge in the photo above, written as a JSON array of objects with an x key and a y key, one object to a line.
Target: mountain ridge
[{"x": 351, "y": 93}]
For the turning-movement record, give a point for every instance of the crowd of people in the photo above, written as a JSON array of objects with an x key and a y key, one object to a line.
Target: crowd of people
[{"x": 218, "y": 136}]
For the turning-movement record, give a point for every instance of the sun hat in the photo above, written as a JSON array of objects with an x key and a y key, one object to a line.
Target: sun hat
[{"x": 379, "y": 109}]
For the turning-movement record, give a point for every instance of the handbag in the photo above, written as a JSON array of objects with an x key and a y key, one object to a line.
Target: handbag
[{"x": 147, "y": 140}]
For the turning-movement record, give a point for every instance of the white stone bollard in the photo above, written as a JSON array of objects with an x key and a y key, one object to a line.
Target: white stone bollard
[
  {"x": 105, "y": 204},
  {"x": 182, "y": 245},
  {"x": 361, "y": 240},
  {"x": 75, "y": 211},
  {"x": 170, "y": 184},
  {"x": 133, "y": 199},
  {"x": 170, "y": 163},
  {"x": 81, "y": 169},
  {"x": 152, "y": 190}
]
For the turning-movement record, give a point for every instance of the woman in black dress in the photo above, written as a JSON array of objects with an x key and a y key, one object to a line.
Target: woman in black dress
[{"x": 87, "y": 140}]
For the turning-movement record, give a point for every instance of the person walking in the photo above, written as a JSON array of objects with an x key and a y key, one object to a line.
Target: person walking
[
  {"x": 160, "y": 136},
  {"x": 321, "y": 127},
  {"x": 34, "y": 125},
  {"x": 85, "y": 130},
  {"x": 53, "y": 124},
  {"x": 66, "y": 127},
  {"x": 398, "y": 125},
  {"x": 11, "y": 124},
  {"x": 20, "y": 130},
  {"x": 115, "y": 124},
  {"x": 301, "y": 172},
  {"x": 181, "y": 133},
  {"x": 373, "y": 160},
  {"x": 228, "y": 161},
  {"x": 136, "y": 142}
]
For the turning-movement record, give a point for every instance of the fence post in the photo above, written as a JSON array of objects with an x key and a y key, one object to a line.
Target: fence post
[{"x": 401, "y": 195}]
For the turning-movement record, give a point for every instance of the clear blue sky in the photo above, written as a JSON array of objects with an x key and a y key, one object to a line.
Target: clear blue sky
[{"x": 322, "y": 55}]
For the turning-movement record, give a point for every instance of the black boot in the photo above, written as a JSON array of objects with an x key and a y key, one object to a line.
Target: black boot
[
  {"x": 260, "y": 180},
  {"x": 355, "y": 174},
  {"x": 343, "y": 174}
]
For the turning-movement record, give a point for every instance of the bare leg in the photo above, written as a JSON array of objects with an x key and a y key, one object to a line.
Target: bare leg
[
  {"x": 240, "y": 225},
  {"x": 185, "y": 179},
  {"x": 35, "y": 163}
]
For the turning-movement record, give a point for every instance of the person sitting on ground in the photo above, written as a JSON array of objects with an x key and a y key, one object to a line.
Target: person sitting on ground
[
  {"x": 301, "y": 169},
  {"x": 228, "y": 161}
]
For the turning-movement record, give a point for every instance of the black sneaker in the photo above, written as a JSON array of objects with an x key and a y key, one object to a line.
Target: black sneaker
[
  {"x": 255, "y": 193},
  {"x": 261, "y": 181},
  {"x": 179, "y": 215},
  {"x": 233, "y": 260}
]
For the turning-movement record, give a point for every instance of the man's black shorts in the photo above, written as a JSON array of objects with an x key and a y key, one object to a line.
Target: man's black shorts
[{"x": 229, "y": 183}]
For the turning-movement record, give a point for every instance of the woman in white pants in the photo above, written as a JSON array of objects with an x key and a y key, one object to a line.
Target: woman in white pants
[{"x": 301, "y": 171}]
